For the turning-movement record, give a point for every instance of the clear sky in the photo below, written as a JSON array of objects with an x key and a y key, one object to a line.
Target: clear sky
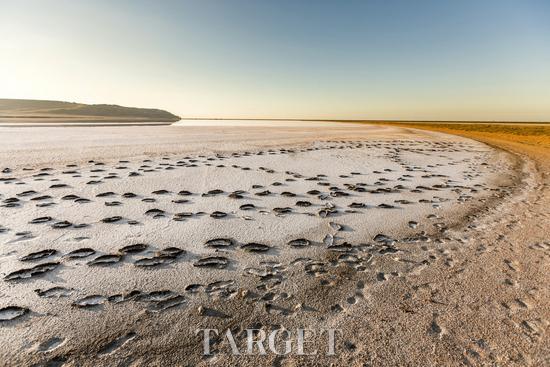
[{"x": 424, "y": 59}]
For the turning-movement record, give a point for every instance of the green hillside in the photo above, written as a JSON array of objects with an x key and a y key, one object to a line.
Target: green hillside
[{"x": 37, "y": 109}]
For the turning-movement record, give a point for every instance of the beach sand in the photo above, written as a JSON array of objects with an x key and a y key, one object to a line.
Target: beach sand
[{"x": 422, "y": 248}]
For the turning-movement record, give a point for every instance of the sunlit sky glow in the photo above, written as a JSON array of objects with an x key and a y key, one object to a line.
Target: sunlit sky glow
[{"x": 448, "y": 60}]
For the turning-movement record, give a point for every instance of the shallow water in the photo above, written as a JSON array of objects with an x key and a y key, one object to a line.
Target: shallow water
[{"x": 236, "y": 122}]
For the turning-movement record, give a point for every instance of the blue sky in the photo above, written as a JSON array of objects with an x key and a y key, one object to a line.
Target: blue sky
[{"x": 483, "y": 59}]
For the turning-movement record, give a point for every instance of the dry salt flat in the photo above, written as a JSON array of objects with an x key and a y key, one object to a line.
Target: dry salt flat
[{"x": 117, "y": 243}]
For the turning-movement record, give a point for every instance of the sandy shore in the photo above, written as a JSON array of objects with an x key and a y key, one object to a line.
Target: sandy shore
[{"x": 411, "y": 243}]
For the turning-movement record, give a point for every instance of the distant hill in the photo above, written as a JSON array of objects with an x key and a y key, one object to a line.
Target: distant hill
[{"x": 68, "y": 111}]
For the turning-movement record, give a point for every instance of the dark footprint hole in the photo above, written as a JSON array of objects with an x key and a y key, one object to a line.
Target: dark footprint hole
[
  {"x": 12, "y": 312},
  {"x": 80, "y": 253},
  {"x": 38, "y": 255},
  {"x": 113, "y": 219},
  {"x": 36, "y": 271},
  {"x": 255, "y": 247},
  {"x": 133, "y": 249},
  {"x": 217, "y": 262},
  {"x": 105, "y": 260},
  {"x": 219, "y": 242},
  {"x": 299, "y": 242}
]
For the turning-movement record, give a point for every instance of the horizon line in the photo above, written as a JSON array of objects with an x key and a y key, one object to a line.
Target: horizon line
[{"x": 366, "y": 120}]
